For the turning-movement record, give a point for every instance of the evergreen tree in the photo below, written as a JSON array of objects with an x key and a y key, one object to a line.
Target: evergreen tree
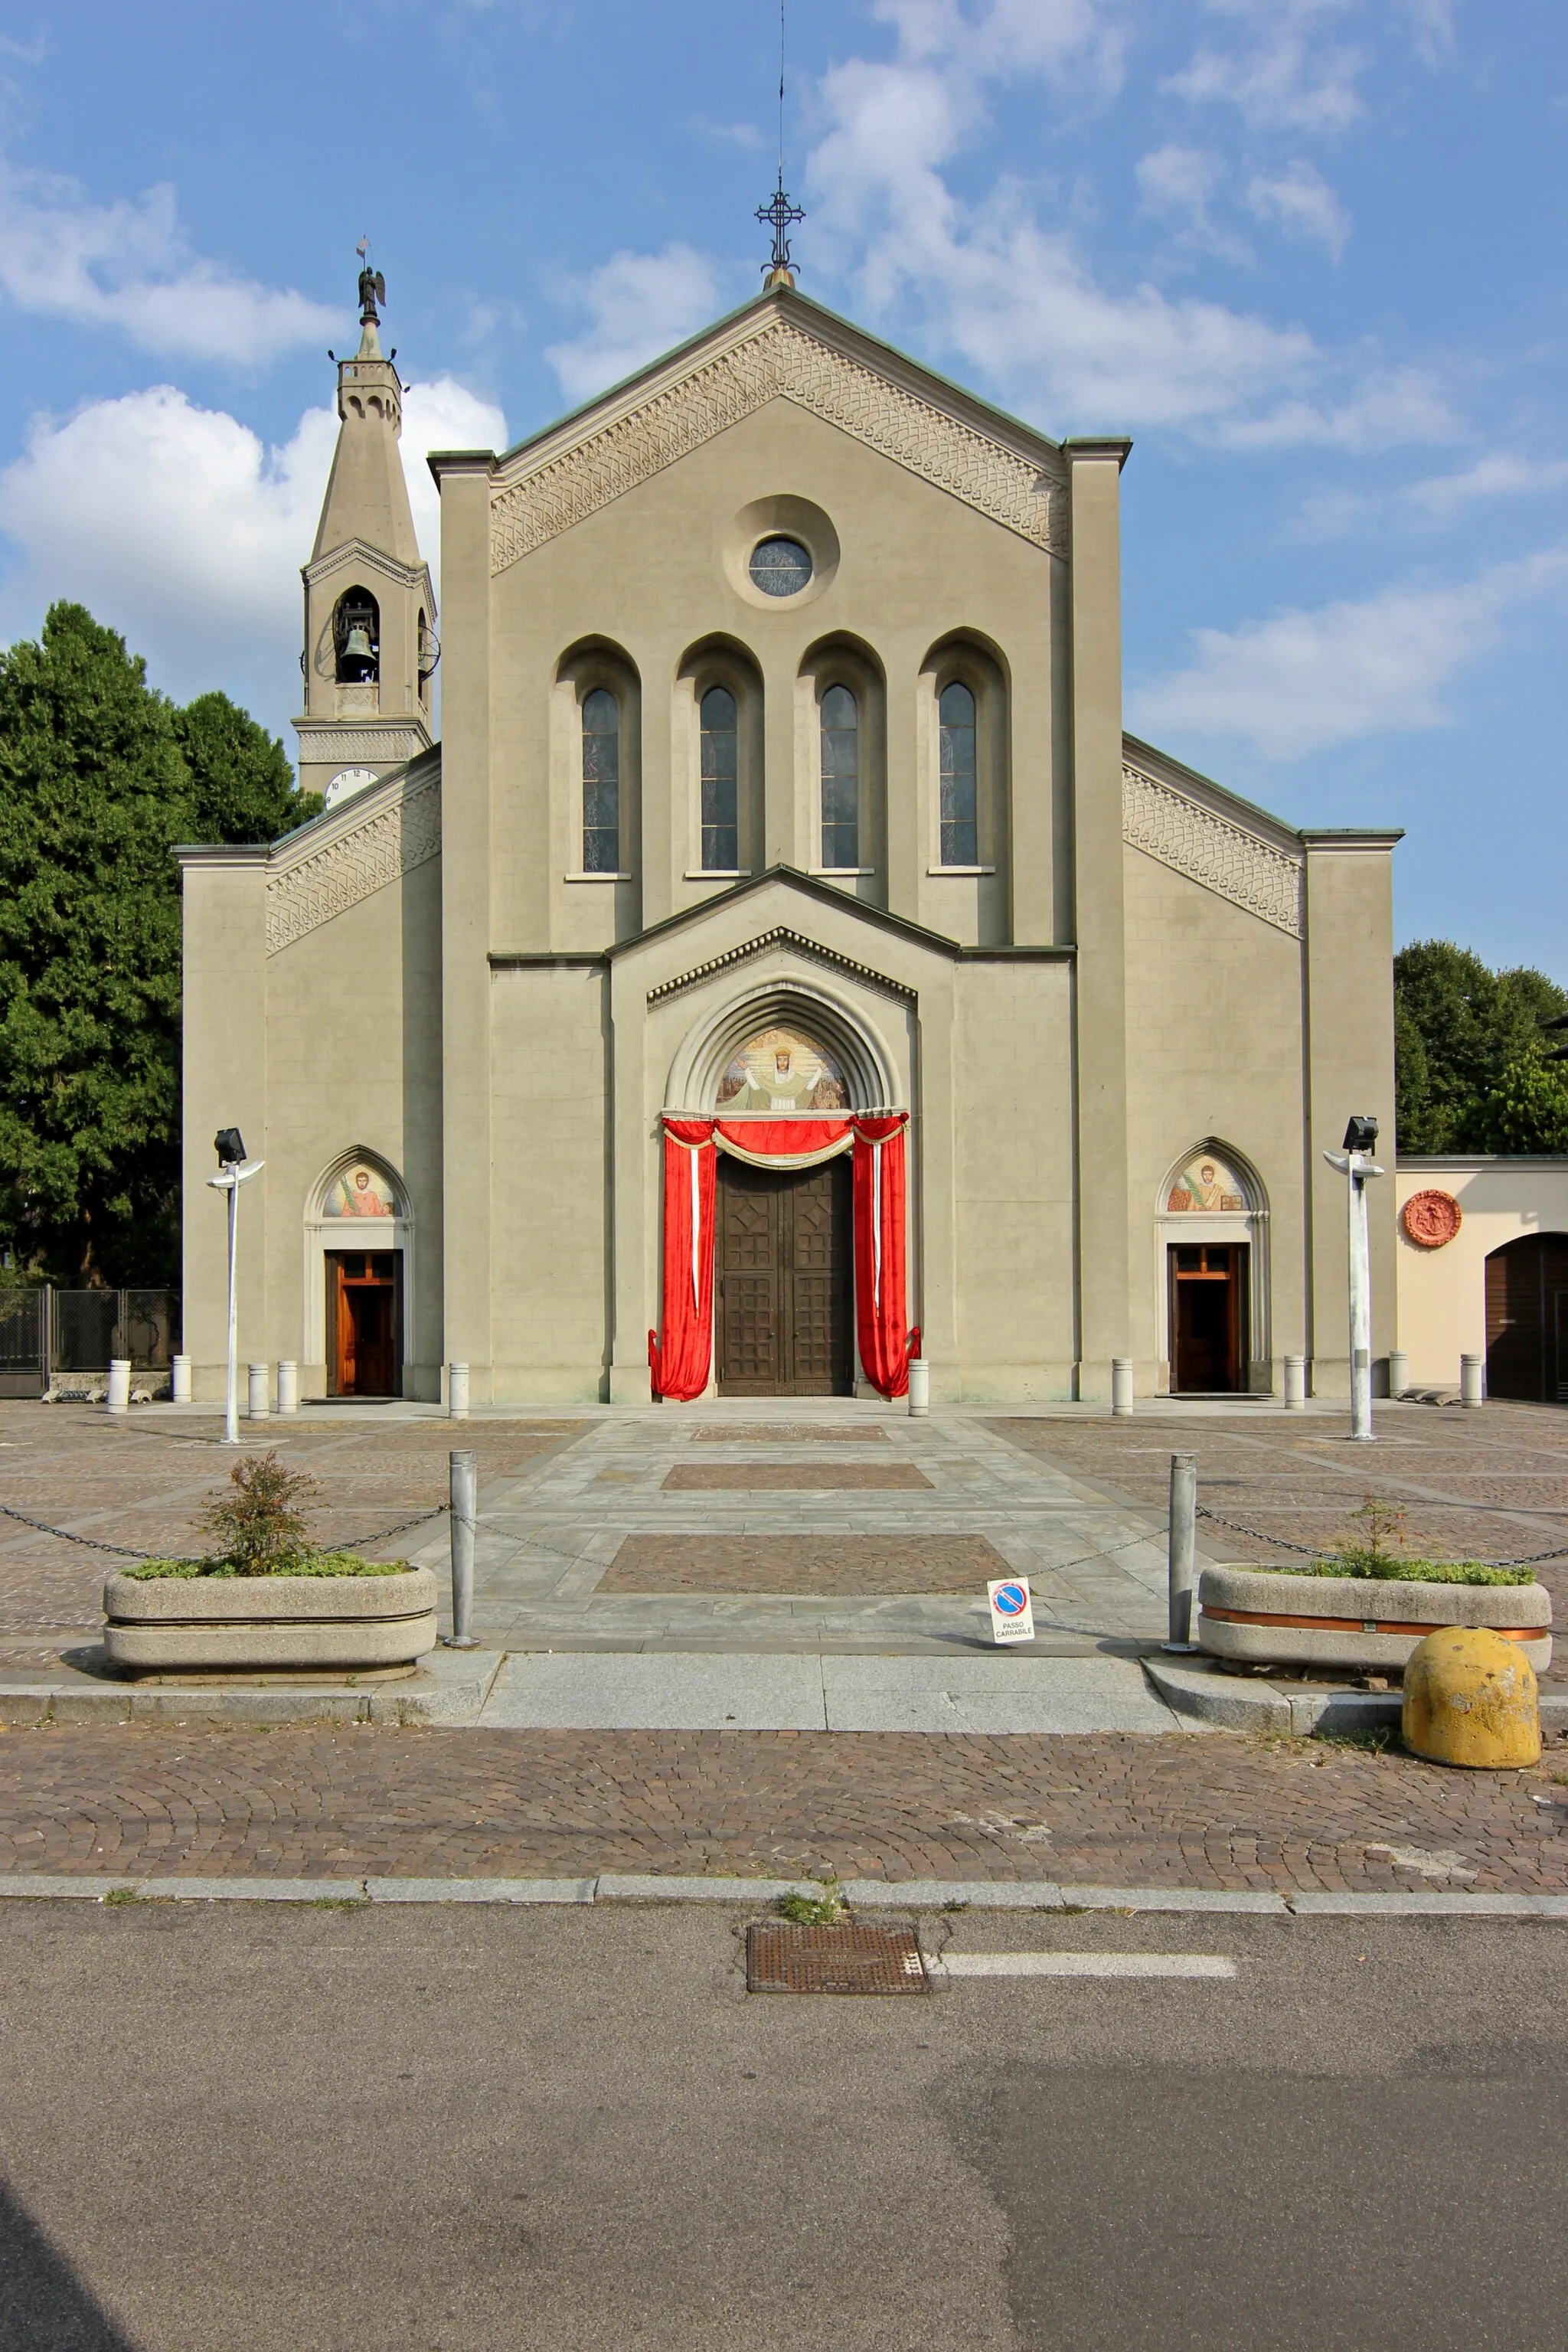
[
  {"x": 1469, "y": 1055},
  {"x": 99, "y": 776}
]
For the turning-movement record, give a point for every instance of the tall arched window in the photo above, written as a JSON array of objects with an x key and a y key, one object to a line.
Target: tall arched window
[
  {"x": 840, "y": 778},
  {"x": 720, "y": 782},
  {"x": 960, "y": 795},
  {"x": 601, "y": 783}
]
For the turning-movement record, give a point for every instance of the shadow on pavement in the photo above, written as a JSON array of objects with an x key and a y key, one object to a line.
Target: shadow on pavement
[{"x": 43, "y": 2303}]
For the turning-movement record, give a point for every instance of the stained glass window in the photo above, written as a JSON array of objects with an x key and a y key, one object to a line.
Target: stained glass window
[
  {"x": 720, "y": 782},
  {"x": 960, "y": 791},
  {"x": 601, "y": 783},
  {"x": 779, "y": 567},
  {"x": 840, "y": 778}
]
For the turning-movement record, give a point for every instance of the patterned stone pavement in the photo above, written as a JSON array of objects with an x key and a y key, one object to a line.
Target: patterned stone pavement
[
  {"x": 1221, "y": 1811},
  {"x": 1491, "y": 1484}
]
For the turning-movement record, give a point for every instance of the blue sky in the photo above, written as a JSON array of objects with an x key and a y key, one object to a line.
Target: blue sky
[{"x": 1308, "y": 252}]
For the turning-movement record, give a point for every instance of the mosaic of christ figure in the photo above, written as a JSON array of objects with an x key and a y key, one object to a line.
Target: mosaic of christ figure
[
  {"x": 780, "y": 1072},
  {"x": 360, "y": 1192}
]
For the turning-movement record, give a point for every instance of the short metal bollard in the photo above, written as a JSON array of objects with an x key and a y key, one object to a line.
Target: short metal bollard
[
  {"x": 1182, "y": 1540},
  {"x": 288, "y": 1386},
  {"x": 920, "y": 1385},
  {"x": 1121, "y": 1387},
  {"x": 456, "y": 1391},
  {"x": 1398, "y": 1371},
  {"x": 1470, "y": 1370},
  {"x": 180, "y": 1383},
  {"x": 465, "y": 1497},
  {"x": 1295, "y": 1383},
  {"x": 257, "y": 1384},
  {"x": 120, "y": 1384}
]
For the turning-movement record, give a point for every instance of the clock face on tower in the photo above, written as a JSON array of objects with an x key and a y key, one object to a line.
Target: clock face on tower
[{"x": 347, "y": 781}]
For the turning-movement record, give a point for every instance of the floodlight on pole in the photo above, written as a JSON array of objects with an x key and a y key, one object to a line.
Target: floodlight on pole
[
  {"x": 1356, "y": 1164},
  {"x": 234, "y": 1170}
]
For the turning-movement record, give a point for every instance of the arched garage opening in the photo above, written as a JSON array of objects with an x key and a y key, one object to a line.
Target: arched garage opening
[{"x": 1527, "y": 1319}]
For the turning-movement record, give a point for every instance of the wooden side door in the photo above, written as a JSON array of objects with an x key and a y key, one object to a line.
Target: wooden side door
[
  {"x": 1526, "y": 1323},
  {"x": 1208, "y": 1317},
  {"x": 364, "y": 1323}
]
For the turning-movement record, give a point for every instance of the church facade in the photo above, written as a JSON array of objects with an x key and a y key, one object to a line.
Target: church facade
[{"x": 784, "y": 961}]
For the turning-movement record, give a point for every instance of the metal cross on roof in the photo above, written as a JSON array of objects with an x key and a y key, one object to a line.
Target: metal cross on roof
[{"x": 780, "y": 215}]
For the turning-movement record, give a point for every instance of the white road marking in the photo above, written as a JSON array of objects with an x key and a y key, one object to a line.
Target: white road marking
[{"x": 1080, "y": 1964}]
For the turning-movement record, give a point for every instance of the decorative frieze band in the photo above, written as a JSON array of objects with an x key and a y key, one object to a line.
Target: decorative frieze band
[
  {"x": 780, "y": 937},
  {"x": 778, "y": 361},
  {"x": 1209, "y": 848},
  {"x": 354, "y": 747},
  {"x": 385, "y": 844}
]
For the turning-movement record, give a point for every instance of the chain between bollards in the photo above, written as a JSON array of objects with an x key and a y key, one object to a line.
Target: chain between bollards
[{"x": 465, "y": 1500}]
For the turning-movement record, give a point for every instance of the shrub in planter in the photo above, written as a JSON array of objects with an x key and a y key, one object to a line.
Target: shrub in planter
[
  {"x": 268, "y": 1598},
  {"x": 1366, "y": 1606}
]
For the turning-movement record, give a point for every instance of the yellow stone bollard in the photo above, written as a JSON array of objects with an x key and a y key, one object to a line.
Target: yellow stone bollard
[{"x": 1470, "y": 1698}]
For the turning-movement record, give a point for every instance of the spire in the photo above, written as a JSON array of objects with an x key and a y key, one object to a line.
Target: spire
[
  {"x": 781, "y": 213},
  {"x": 369, "y": 611}
]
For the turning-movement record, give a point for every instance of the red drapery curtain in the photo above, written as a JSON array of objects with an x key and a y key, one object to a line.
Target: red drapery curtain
[
  {"x": 680, "y": 1363},
  {"x": 679, "y": 1366},
  {"x": 881, "y": 1325}
]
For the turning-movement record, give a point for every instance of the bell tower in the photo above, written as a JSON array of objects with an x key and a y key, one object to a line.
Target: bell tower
[{"x": 369, "y": 611}]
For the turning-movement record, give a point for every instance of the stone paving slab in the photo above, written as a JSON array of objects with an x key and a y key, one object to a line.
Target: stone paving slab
[
  {"x": 855, "y": 1565},
  {"x": 794, "y": 1478},
  {"x": 1109, "y": 1811},
  {"x": 1004, "y": 1693}
]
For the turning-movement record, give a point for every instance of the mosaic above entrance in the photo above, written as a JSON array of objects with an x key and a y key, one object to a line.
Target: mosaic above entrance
[
  {"x": 360, "y": 1192},
  {"x": 1206, "y": 1182},
  {"x": 779, "y": 1070}
]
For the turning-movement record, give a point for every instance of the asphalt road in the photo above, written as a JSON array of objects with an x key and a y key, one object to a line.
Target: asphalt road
[{"x": 449, "y": 2129}]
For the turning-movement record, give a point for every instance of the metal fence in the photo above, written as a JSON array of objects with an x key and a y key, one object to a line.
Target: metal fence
[{"x": 44, "y": 1332}]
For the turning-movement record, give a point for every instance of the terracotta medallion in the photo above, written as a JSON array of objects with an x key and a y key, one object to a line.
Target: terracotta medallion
[{"x": 1432, "y": 1219}]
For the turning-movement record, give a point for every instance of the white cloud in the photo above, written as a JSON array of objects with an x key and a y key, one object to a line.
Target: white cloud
[
  {"x": 1301, "y": 681},
  {"x": 1178, "y": 185},
  {"x": 1393, "y": 406},
  {"x": 1500, "y": 475},
  {"x": 1303, "y": 204},
  {"x": 176, "y": 525},
  {"x": 1287, "y": 76},
  {"x": 128, "y": 266},
  {"x": 1014, "y": 299},
  {"x": 640, "y": 304}
]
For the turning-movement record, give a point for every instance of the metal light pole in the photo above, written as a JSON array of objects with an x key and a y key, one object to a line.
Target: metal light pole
[
  {"x": 234, "y": 1170},
  {"x": 1356, "y": 1164}
]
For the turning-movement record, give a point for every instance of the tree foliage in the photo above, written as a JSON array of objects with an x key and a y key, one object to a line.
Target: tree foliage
[
  {"x": 1470, "y": 1055},
  {"x": 100, "y": 777}
]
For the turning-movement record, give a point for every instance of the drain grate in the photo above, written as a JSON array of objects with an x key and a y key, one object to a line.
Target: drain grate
[{"x": 847, "y": 1959}]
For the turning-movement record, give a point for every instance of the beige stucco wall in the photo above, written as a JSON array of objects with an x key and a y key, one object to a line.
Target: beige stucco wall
[
  {"x": 1442, "y": 1293},
  {"x": 330, "y": 1047},
  {"x": 1215, "y": 1040}
]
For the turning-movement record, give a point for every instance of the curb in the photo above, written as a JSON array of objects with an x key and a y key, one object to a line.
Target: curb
[
  {"x": 1201, "y": 1690},
  {"x": 862, "y": 1893},
  {"x": 453, "y": 1697}
]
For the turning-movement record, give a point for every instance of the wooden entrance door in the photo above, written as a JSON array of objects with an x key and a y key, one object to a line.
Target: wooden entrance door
[
  {"x": 1527, "y": 1319},
  {"x": 785, "y": 1280},
  {"x": 1208, "y": 1317},
  {"x": 364, "y": 1323}
]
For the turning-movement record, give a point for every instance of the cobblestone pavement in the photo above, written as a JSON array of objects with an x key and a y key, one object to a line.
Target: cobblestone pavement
[
  {"x": 1491, "y": 1484},
  {"x": 144, "y": 1484},
  {"x": 1220, "y": 1810}
]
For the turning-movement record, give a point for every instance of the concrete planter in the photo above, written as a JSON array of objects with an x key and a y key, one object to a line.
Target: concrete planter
[
  {"x": 171, "y": 1625},
  {"x": 1352, "y": 1622}
]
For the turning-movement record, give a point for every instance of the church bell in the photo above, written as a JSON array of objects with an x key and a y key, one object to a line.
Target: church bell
[{"x": 356, "y": 645}]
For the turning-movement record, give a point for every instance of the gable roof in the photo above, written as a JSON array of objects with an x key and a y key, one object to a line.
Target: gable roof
[{"x": 781, "y": 345}]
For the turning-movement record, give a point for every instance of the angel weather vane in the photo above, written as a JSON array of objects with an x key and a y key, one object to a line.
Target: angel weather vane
[{"x": 372, "y": 286}]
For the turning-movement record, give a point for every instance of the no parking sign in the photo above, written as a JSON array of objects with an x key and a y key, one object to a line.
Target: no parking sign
[{"x": 1012, "y": 1613}]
